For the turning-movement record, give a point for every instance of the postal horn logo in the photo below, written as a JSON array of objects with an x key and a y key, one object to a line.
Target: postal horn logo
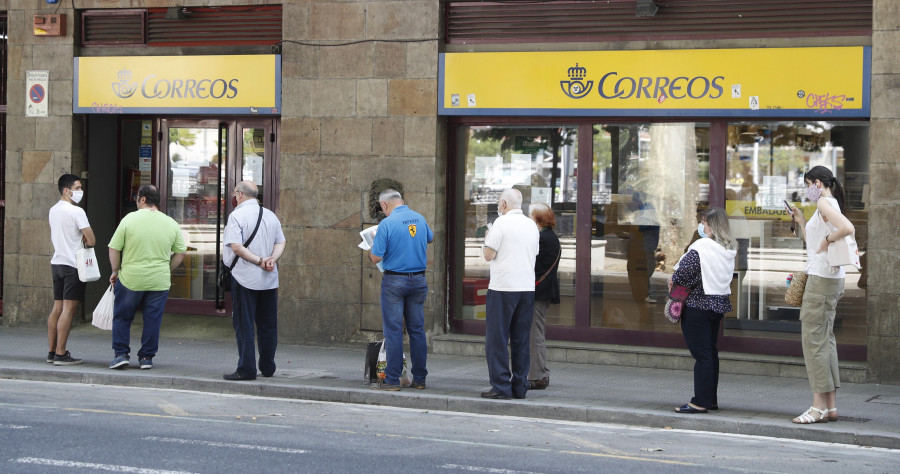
[
  {"x": 575, "y": 87},
  {"x": 412, "y": 230},
  {"x": 124, "y": 88}
]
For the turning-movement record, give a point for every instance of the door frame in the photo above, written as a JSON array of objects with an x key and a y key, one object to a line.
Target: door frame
[{"x": 234, "y": 126}]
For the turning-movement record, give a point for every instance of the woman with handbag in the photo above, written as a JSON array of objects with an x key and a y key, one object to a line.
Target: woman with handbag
[
  {"x": 824, "y": 287},
  {"x": 707, "y": 268},
  {"x": 546, "y": 292}
]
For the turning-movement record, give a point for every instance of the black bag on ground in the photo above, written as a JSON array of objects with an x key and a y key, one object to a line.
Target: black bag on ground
[
  {"x": 223, "y": 279},
  {"x": 370, "y": 369}
]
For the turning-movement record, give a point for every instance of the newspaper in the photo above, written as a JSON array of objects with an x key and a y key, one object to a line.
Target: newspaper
[{"x": 368, "y": 238}]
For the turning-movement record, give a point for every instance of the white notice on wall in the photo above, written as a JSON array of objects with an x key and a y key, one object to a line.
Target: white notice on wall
[
  {"x": 772, "y": 192},
  {"x": 253, "y": 167},
  {"x": 36, "y": 99},
  {"x": 540, "y": 195}
]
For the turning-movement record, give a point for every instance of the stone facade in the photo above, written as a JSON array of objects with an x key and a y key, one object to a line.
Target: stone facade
[
  {"x": 359, "y": 84},
  {"x": 884, "y": 196},
  {"x": 39, "y": 150},
  {"x": 353, "y": 114}
]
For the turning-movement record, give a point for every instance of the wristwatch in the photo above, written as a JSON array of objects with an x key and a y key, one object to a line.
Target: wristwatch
[{"x": 260, "y": 261}]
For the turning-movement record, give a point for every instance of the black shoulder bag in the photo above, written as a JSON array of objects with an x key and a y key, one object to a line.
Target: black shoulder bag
[{"x": 224, "y": 278}]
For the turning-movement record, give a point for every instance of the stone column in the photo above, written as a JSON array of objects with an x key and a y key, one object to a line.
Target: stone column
[
  {"x": 39, "y": 150},
  {"x": 354, "y": 113},
  {"x": 884, "y": 197}
]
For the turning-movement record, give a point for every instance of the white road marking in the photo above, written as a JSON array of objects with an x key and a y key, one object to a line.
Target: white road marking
[
  {"x": 99, "y": 467},
  {"x": 14, "y": 427},
  {"x": 483, "y": 469},
  {"x": 226, "y": 445}
]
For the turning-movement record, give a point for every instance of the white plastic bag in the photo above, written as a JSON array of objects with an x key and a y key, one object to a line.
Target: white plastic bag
[
  {"x": 405, "y": 379},
  {"x": 103, "y": 313},
  {"x": 88, "y": 270}
]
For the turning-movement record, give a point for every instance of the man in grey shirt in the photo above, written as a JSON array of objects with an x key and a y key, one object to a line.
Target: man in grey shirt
[{"x": 254, "y": 282}]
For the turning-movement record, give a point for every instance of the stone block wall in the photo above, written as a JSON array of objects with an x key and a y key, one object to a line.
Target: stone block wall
[
  {"x": 39, "y": 150},
  {"x": 884, "y": 197},
  {"x": 359, "y": 90}
]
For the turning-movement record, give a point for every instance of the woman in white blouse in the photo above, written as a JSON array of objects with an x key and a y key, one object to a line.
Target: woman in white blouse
[{"x": 824, "y": 287}]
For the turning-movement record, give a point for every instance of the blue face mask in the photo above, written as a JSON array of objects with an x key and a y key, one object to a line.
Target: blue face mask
[{"x": 700, "y": 231}]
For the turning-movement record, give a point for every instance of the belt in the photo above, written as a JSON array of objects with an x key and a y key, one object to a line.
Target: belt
[{"x": 391, "y": 272}]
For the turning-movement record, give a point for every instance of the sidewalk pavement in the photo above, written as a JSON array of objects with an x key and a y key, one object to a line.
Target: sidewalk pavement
[{"x": 751, "y": 405}]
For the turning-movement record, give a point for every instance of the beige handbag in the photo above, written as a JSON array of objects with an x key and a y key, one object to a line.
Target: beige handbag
[
  {"x": 794, "y": 294},
  {"x": 844, "y": 252}
]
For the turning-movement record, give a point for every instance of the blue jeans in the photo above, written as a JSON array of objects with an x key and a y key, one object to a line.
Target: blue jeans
[
  {"x": 508, "y": 321},
  {"x": 259, "y": 309},
  {"x": 152, "y": 304},
  {"x": 701, "y": 332},
  {"x": 402, "y": 300}
]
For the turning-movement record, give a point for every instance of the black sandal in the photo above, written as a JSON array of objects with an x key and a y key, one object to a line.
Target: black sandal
[{"x": 687, "y": 408}]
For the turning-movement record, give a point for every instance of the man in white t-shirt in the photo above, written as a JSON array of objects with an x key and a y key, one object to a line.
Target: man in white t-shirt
[
  {"x": 511, "y": 247},
  {"x": 69, "y": 230}
]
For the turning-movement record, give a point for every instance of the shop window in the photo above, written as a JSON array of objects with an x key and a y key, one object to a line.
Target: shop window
[
  {"x": 765, "y": 164},
  {"x": 542, "y": 163},
  {"x": 649, "y": 181}
]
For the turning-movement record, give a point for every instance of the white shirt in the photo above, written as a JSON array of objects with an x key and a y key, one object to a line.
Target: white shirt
[
  {"x": 66, "y": 222},
  {"x": 515, "y": 238},
  {"x": 816, "y": 230},
  {"x": 241, "y": 223}
]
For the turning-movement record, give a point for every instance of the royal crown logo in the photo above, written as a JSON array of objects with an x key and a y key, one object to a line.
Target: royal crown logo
[
  {"x": 124, "y": 88},
  {"x": 575, "y": 87}
]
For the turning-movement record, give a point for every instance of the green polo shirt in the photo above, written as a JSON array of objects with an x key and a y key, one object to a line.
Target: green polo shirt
[{"x": 147, "y": 239}]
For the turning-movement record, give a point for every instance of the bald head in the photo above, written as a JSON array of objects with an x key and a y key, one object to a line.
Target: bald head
[
  {"x": 244, "y": 191},
  {"x": 509, "y": 199},
  {"x": 249, "y": 188}
]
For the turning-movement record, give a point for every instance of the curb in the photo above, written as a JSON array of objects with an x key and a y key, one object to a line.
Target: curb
[{"x": 651, "y": 418}]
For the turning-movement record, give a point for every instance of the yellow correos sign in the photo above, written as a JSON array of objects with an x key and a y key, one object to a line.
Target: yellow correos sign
[
  {"x": 244, "y": 84},
  {"x": 764, "y": 82}
]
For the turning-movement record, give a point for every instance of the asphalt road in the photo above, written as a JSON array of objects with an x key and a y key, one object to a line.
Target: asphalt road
[{"x": 55, "y": 428}]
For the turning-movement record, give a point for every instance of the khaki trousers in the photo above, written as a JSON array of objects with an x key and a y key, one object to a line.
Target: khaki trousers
[
  {"x": 817, "y": 332},
  {"x": 537, "y": 342}
]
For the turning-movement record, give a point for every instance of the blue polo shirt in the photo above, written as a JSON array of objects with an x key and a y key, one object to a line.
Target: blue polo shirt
[{"x": 402, "y": 240}]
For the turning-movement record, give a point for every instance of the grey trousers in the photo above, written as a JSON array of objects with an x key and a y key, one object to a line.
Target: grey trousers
[
  {"x": 817, "y": 332},
  {"x": 537, "y": 343}
]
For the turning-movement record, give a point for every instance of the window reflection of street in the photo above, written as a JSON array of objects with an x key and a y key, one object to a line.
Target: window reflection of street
[
  {"x": 193, "y": 202},
  {"x": 648, "y": 180}
]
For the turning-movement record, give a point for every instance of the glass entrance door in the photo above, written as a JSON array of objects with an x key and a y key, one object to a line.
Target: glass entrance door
[{"x": 202, "y": 161}]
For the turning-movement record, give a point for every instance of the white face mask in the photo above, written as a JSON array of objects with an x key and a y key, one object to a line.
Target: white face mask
[{"x": 76, "y": 196}]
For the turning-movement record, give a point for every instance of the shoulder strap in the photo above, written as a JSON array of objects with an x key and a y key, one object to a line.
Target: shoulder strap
[
  {"x": 550, "y": 269},
  {"x": 250, "y": 239}
]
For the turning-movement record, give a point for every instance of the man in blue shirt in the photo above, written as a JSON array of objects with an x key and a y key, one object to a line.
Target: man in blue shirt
[{"x": 400, "y": 245}]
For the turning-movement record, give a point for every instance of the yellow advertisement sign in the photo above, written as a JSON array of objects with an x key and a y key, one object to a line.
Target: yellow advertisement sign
[
  {"x": 752, "y": 210},
  {"x": 764, "y": 82},
  {"x": 242, "y": 84}
]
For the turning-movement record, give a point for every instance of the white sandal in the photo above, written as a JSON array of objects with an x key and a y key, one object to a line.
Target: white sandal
[
  {"x": 832, "y": 418},
  {"x": 808, "y": 417}
]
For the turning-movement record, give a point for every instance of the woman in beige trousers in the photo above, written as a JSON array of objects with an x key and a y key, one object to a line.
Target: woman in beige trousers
[{"x": 824, "y": 287}]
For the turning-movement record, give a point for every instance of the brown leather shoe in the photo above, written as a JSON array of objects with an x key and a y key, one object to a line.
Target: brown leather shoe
[{"x": 539, "y": 384}]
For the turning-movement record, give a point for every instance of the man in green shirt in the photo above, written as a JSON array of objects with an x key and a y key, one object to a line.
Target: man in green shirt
[{"x": 145, "y": 249}]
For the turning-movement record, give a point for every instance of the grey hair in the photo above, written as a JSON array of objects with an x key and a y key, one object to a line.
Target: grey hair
[
  {"x": 389, "y": 195},
  {"x": 537, "y": 206},
  {"x": 248, "y": 188},
  {"x": 717, "y": 220},
  {"x": 513, "y": 198}
]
